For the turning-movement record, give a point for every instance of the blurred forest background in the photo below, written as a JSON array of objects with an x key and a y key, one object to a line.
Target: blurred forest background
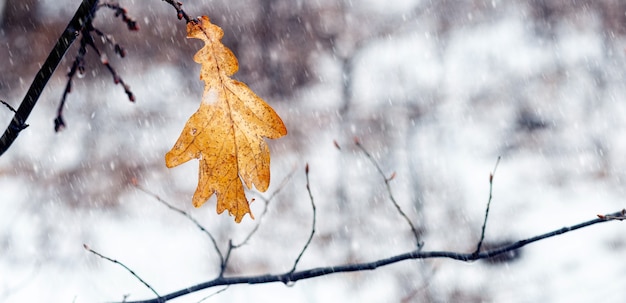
[{"x": 435, "y": 90}]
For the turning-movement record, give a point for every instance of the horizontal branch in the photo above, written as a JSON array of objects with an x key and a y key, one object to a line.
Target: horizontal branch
[{"x": 416, "y": 254}]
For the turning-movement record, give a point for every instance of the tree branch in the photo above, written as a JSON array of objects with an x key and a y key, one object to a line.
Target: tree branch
[
  {"x": 8, "y": 106},
  {"x": 187, "y": 215},
  {"x": 482, "y": 232},
  {"x": 415, "y": 254},
  {"x": 79, "y": 62},
  {"x": 416, "y": 234},
  {"x": 83, "y": 15},
  {"x": 267, "y": 201},
  {"x": 308, "y": 242},
  {"x": 179, "y": 10},
  {"x": 224, "y": 258},
  {"x": 122, "y": 265}
]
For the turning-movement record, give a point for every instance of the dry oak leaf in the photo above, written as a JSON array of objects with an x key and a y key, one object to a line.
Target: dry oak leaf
[{"x": 226, "y": 133}]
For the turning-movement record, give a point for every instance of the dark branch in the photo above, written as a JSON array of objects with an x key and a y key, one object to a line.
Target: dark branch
[
  {"x": 416, "y": 254},
  {"x": 116, "y": 77},
  {"x": 122, "y": 265},
  {"x": 308, "y": 242},
  {"x": 120, "y": 11},
  {"x": 416, "y": 234},
  {"x": 245, "y": 241},
  {"x": 224, "y": 258},
  {"x": 267, "y": 201},
  {"x": 78, "y": 65},
  {"x": 8, "y": 106},
  {"x": 484, "y": 227},
  {"x": 227, "y": 257},
  {"x": 187, "y": 215},
  {"x": 179, "y": 10},
  {"x": 83, "y": 15}
]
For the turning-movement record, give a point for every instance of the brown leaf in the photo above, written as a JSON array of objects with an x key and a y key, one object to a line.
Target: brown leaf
[{"x": 226, "y": 133}]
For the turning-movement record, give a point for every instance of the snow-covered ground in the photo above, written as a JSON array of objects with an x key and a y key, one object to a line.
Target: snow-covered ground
[{"x": 435, "y": 103}]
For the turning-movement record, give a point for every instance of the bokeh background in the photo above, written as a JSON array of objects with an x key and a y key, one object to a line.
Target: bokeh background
[{"x": 436, "y": 91}]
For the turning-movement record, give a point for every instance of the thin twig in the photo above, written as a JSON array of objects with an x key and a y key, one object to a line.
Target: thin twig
[
  {"x": 120, "y": 11},
  {"x": 484, "y": 227},
  {"x": 78, "y": 64},
  {"x": 619, "y": 217},
  {"x": 391, "y": 197},
  {"x": 215, "y": 293},
  {"x": 267, "y": 201},
  {"x": 124, "y": 266},
  {"x": 308, "y": 189},
  {"x": 226, "y": 258},
  {"x": 108, "y": 39},
  {"x": 117, "y": 79},
  {"x": 415, "y": 254},
  {"x": 179, "y": 10},
  {"x": 185, "y": 214},
  {"x": 8, "y": 105}
]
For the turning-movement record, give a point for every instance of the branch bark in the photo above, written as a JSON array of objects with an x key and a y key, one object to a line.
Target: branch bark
[
  {"x": 83, "y": 14},
  {"x": 291, "y": 277}
]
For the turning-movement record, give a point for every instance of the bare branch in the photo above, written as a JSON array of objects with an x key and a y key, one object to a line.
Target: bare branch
[
  {"x": 213, "y": 294},
  {"x": 179, "y": 10},
  {"x": 415, "y": 254},
  {"x": 78, "y": 64},
  {"x": 120, "y": 11},
  {"x": 267, "y": 201},
  {"x": 8, "y": 106},
  {"x": 620, "y": 217},
  {"x": 227, "y": 258},
  {"x": 308, "y": 189},
  {"x": 184, "y": 213},
  {"x": 482, "y": 232},
  {"x": 124, "y": 266},
  {"x": 224, "y": 258},
  {"x": 391, "y": 197}
]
